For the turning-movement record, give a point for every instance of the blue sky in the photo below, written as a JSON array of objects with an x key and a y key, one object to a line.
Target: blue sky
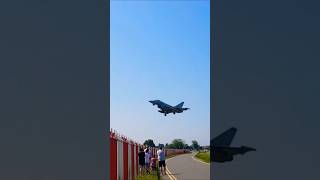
[{"x": 160, "y": 50}]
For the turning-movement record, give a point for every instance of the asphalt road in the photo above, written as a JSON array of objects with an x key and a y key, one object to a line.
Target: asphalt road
[{"x": 185, "y": 167}]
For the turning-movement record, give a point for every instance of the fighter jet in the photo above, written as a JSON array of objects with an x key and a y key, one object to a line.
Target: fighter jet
[
  {"x": 166, "y": 109},
  {"x": 220, "y": 147}
]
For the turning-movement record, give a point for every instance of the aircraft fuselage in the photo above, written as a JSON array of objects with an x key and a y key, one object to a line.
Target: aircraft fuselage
[
  {"x": 221, "y": 151},
  {"x": 167, "y": 109},
  {"x": 223, "y": 154}
]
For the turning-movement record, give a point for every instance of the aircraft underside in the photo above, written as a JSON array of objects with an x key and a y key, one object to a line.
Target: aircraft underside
[
  {"x": 221, "y": 157},
  {"x": 166, "y": 112},
  {"x": 221, "y": 150},
  {"x": 167, "y": 109}
]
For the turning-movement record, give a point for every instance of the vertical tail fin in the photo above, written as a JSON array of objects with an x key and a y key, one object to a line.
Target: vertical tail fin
[
  {"x": 225, "y": 138},
  {"x": 179, "y": 105}
]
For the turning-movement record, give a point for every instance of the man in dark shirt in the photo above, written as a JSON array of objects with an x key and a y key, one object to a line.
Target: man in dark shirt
[{"x": 141, "y": 156}]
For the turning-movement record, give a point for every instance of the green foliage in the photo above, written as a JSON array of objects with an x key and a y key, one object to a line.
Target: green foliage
[
  {"x": 147, "y": 177},
  {"x": 177, "y": 144},
  {"x": 155, "y": 175},
  {"x": 170, "y": 146},
  {"x": 186, "y": 146},
  {"x": 195, "y": 145},
  {"x": 149, "y": 143}
]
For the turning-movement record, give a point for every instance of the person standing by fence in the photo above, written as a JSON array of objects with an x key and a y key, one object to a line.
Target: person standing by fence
[
  {"x": 141, "y": 156},
  {"x": 147, "y": 160},
  {"x": 162, "y": 161}
]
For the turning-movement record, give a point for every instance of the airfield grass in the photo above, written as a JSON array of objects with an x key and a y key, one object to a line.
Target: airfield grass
[
  {"x": 148, "y": 177},
  {"x": 203, "y": 156},
  {"x": 152, "y": 176}
]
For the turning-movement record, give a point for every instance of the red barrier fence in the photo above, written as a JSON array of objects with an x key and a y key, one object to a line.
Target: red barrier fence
[{"x": 124, "y": 156}]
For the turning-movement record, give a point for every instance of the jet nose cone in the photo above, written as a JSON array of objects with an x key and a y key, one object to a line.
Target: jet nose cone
[
  {"x": 250, "y": 149},
  {"x": 153, "y": 102},
  {"x": 247, "y": 149}
]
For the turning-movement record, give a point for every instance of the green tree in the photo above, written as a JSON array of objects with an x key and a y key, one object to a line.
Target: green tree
[
  {"x": 149, "y": 143},
  {"x": 178, "y": 143},
  {"x": 195, "y": 145},
  {"x": 170, "y": 146},
  {"x": 186, "y": 146}
]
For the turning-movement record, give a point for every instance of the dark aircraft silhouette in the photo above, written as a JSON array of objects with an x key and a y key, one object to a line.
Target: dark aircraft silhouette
[
  {"x": 166, "y": 109},
  {"x": 221, "y": 150}
]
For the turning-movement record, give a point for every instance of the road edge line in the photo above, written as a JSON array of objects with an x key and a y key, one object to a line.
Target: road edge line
[{"x": 169, "y": 173}]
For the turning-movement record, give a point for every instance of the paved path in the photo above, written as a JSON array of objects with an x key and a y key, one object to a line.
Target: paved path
[{"x": 185, "y": 167}]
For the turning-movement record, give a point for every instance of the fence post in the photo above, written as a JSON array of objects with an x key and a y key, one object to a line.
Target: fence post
[
  {"x": 125, "y": 159},
  {"x": 120, "y": 159},
  {"x": 132, "y": 161},
  {"x": 113, "y": 156},
  {"x": 137, "y": 158}
]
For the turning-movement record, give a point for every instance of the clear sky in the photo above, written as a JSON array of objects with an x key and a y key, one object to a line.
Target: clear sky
[{"x": 160, "y": 50}]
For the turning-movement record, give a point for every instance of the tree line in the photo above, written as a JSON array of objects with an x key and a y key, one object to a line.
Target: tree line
[{"x": 175, "y": 144}]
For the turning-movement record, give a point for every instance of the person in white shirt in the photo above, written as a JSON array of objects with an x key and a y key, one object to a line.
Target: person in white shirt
[
  {"x": 162, "y": 160},
  {"x": 147, "y": 157}
]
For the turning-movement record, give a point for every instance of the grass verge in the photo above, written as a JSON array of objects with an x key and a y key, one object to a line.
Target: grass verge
[
  {"x": 153, "y": 176},
  {"x": 203, "y": 156},
  {"x": 147, "y": 177}
]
